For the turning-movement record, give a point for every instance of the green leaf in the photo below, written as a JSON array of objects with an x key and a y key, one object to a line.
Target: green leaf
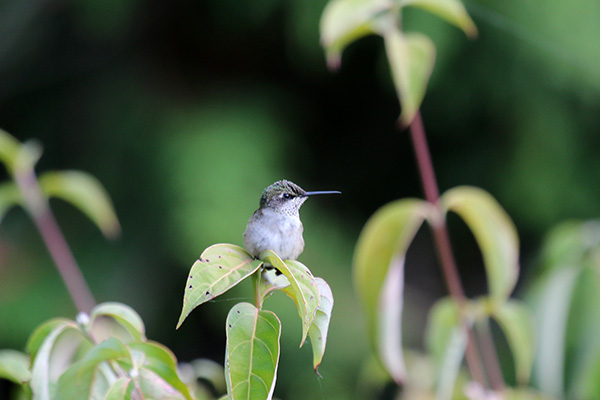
[
  {"x": 9, "y": 197},
  {"x": 153, "y": 386},
  {"x": 389, "y": 340},
  {"x": 124, "y": 316},
  {"x": 303, "y": 288},
  {"x": 220, "y": 267},
  {"x": 320, "y": 326},
  {"x": 160, "y": 360},
  {"x": 87, "y": 194},
  {"x": 446, "y": 341},
  {"x": 83, "y": 380},
  {"x": 387, "y": 234},
  {"x": 252, "y": 353},
  {"x": 453, "y": 11},
  {"x": 121, "y": 389},
  {"x": 411, "y": 57},
  {"x": 344, "y": 21},
  {"x": 45, "y": 367},
  {"x": 14, "y": 366},
  {"x": 517, "y": 324},
  {"x": 9, "y": 150},
  {"x": 494, "y": 232}
]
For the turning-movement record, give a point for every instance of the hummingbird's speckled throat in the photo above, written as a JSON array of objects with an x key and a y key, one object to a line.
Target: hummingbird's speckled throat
[{"x": 276, "y": 224}]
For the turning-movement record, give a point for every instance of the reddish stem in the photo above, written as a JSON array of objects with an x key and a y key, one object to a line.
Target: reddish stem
[
  {"x": 55, "y": 242},
  {"x": 446, "y": 256}
]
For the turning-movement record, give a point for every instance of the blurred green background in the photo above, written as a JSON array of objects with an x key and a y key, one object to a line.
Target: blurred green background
[{"x": 185, "y": 110}]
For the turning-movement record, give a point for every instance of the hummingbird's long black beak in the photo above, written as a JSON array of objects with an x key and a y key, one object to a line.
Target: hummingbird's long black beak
[{"x": 322, "y": 192}]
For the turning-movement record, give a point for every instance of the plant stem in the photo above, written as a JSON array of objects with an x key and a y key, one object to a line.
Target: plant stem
[
  {"x": 39, "y": 209},
  {"x": 445, "y": 254}
]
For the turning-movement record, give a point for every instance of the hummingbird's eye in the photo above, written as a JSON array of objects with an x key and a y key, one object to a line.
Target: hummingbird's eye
[{"x": 287, "y": 196}]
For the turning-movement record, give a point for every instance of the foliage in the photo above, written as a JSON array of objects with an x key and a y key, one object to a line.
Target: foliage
[{"x": 253, "y": 334}]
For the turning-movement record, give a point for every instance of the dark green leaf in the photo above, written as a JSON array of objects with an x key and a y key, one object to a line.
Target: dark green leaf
[
  {"x": 252, "y": 353},
  {"x": 220, "y": 267}
]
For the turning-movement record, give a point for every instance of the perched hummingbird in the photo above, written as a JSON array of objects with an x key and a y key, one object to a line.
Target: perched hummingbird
[{"x": 276, "y": 224}]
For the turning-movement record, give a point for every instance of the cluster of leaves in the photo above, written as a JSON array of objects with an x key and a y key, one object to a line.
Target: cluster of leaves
[
  {"x": 253, "y": 334},
  {"x": 411, "y": 55},
  {"x": 104, "y": 355},
  {"x": 379, "y": 268}
]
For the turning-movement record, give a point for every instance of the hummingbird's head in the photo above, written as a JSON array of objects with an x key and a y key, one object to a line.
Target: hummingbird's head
[
  {"x": 286, "y": 197},
  {"x": 283, "y": 196}
]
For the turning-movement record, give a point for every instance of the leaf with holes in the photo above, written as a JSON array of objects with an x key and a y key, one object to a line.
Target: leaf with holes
[
  {"x": 87, "y": 194},
  {"x": 220, "y": 267},
  {"x": 303, "y": 288},
  {"x": 494, "y": 232},
  {"x": 252, "y": 352},
  {"x": 452, "y": 11},
  {"x": 411, "y": 57},
  {"x": 320, "y": 326}
]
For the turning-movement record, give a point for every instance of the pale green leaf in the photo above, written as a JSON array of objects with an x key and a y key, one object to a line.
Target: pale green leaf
[
  {"x": 446, "y": 341},
  {"x": 9, "y": 150},
  {"x": 494, "y": 232},
  {"x": 220, "y": 267},
  {"x": 411, "y": 57},
  {"x": 387, "y": 234},
  {"x": 453, "y": 11},
  {"x": 50, "y": 358},
  {"x": 252, "y": 353},
  {"x": 344, "y": 21},
  {"x": 124, "y": 316},
  {"x": 14, "y": 366},
  {"x": 153, "y": 387},
  {"x": 517, "y": 324},
  {"x": 9, "y": 197},
  {"x": 161, "y": 361},
  {"x": 86, "y": 193},
  {"x": 320, "y": 326},
  {"x": 389, "y": 340},
  {"x": 303, "y": 288},
  {"x": 121, "y": 389},
  {"x": 82, "y": 380}
]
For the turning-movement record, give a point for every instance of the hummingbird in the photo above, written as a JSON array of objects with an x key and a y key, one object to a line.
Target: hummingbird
[{"x": 276, "y": 224}]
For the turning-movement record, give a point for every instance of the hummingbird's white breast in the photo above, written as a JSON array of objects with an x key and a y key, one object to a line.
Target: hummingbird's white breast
[{"x": 272, "y": 230}]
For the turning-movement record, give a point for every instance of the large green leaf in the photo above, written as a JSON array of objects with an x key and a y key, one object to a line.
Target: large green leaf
[
  {"x": 83, "y": 380},
  {"x": 411, "y": 57},
  {"x": 252, "y": 353},
  {"x": 446, "y": 341},
  {"x": 387, "y": 234},
  {"x": 303, "y": 288},
  {"x": 161, "y": 361},
  {"x": 453, "y": 11},
  {"x": 14, "y": 366},
  {"x": 344, "y": 21},
  {"x": 47, "y": 363},
  {"x": 517, "y": 323},
  {"x": 124, "y": 316},
  {"x": 320, "y": 326},
  {"x": 9, "y": 197},
  {"x": 219, "y": 268},
  {"x": 86, "y": 193},
  {"x": 494, "y": 232}
]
